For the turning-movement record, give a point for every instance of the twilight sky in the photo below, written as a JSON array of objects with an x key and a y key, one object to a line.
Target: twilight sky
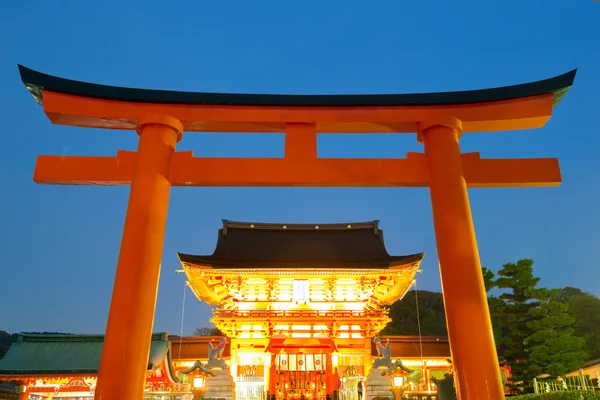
[{"x": 59, "y": 244}]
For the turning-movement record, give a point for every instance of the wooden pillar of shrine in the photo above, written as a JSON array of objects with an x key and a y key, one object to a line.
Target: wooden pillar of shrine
[
  {"x": 469, "y": 326},
  {"x": 124, "y": 362},
  {"x": 330, "y": 383},
  {"x": 273, "y": 378},
  {"x": 24, "y": 395}
]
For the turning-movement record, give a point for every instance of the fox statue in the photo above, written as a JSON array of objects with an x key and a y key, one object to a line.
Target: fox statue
[
  {"x": 216, "y": 352},
  {"x": 382, "y": 351}
]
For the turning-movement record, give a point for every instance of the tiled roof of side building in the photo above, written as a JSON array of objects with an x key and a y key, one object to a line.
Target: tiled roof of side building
[
  {"x": 270, "y": 245},
  {"x": 195, "y": 347},
  {"x": 417, "y": 347},
  {"x": 43, "y": 354}
]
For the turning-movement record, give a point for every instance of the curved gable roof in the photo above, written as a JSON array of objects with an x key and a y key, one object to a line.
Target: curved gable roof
[{"x": 247, "y": 244}]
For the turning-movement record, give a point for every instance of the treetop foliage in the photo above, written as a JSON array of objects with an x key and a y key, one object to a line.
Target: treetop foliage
[{"x": 537, "y": 330}]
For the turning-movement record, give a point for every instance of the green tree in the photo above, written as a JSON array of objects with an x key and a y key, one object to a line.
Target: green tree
[
  {"x": 585, "y": 309},
  {"x": 488, "y": 279},
  {"x": 431, "y": 315},
  {"x": 552, "y": 345},
  {"x": 496, "y": 307},
  {"x": 534, "y": 326},
  {"x": 518, "y": 299},
  {"x": 206, "y": 331},
  {"x": 6, "y": 340},
  {"x": 567, "y": 293}
]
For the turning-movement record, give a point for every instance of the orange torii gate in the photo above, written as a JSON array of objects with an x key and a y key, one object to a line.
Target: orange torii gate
[{"x": 161, "y": 117}]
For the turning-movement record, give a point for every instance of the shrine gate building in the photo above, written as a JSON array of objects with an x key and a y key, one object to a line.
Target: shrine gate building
[{"x": 301, "y": 303}]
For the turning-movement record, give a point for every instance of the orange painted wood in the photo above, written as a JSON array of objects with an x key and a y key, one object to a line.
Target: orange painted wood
[
  {"x": 85, "y": 170},
  {"x": 187, "y": 170},
  {"x": 507, "y": 172},
  {"x": 525, "y": 113},
  {"x": 465, "y": 298},
  {"x": 300, "y": 141},
  {"x": 133, "y": 303}
]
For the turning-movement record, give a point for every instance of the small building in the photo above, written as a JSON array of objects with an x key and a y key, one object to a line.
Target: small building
[
  {"x": 590, "y": 370},
  {"x": 61, "y": 367}
]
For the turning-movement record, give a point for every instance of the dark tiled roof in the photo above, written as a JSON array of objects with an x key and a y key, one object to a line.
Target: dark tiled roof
[
  {"x": 246, "y": 244},
  {"x": 37, "y": 81},
  {"x": 194, "y": 347},
  {"x": 35, "y": 354},
  {"x": 410, "y": 346},
  {"x": 591, "y": 362}
]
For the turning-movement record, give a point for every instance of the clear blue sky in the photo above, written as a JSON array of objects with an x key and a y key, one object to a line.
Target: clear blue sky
[{"x": 59, "y": 244}]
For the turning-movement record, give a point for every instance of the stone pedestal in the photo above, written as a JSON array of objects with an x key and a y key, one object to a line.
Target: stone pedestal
[
  {"x": 378, "y": 385},
  {"x": 219, "y": 387}
]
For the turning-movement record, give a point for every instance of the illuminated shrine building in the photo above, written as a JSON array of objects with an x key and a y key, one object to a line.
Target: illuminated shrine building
[{"x": 300, "y": 303}]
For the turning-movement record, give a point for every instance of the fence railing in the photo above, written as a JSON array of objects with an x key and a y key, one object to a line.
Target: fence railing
[{"x": 569, "y": 383}]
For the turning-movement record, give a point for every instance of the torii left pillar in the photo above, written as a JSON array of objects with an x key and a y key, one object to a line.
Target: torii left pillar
[{"x": 131, "y": 317}]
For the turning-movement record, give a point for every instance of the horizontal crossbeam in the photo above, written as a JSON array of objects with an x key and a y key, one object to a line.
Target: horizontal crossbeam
[
  {"x": 526, "y": 113},
  {"x": 187, "y": 170},
  {"x": 85, "y": 170}
]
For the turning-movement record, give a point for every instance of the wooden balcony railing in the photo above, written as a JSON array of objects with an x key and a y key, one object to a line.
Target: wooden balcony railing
[{"x": 304, "y": 314}]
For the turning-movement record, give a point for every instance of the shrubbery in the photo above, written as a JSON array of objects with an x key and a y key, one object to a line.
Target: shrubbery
[{"x": 576, "y": 395}]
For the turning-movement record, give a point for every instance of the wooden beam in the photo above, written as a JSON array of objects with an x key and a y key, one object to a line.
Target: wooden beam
[
  {"x": 507, "y": 172},
  {"x": 84, "y": 170},
  {"x": 522, "y": 113},
  {"x": 320, "y": 172},
  {"x": 187, "y": 170},
  {"x": 411, "y": 171},
  {"x": 301, "y": 142}
]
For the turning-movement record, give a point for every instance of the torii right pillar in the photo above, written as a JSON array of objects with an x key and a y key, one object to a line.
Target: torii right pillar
[{"x": 465, "y": 299}]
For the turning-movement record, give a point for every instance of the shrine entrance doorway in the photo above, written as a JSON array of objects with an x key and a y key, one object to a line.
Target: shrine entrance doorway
[
  {"x": 301, "y": 367},
  {"x": 300, "y": 376}
]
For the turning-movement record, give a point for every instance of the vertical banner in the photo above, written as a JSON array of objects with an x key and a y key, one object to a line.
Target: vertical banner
[
  {"x": 320, "y": 362},
  {"x": 284, "y": 364},
  {"x": 301, "y": 362}
]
